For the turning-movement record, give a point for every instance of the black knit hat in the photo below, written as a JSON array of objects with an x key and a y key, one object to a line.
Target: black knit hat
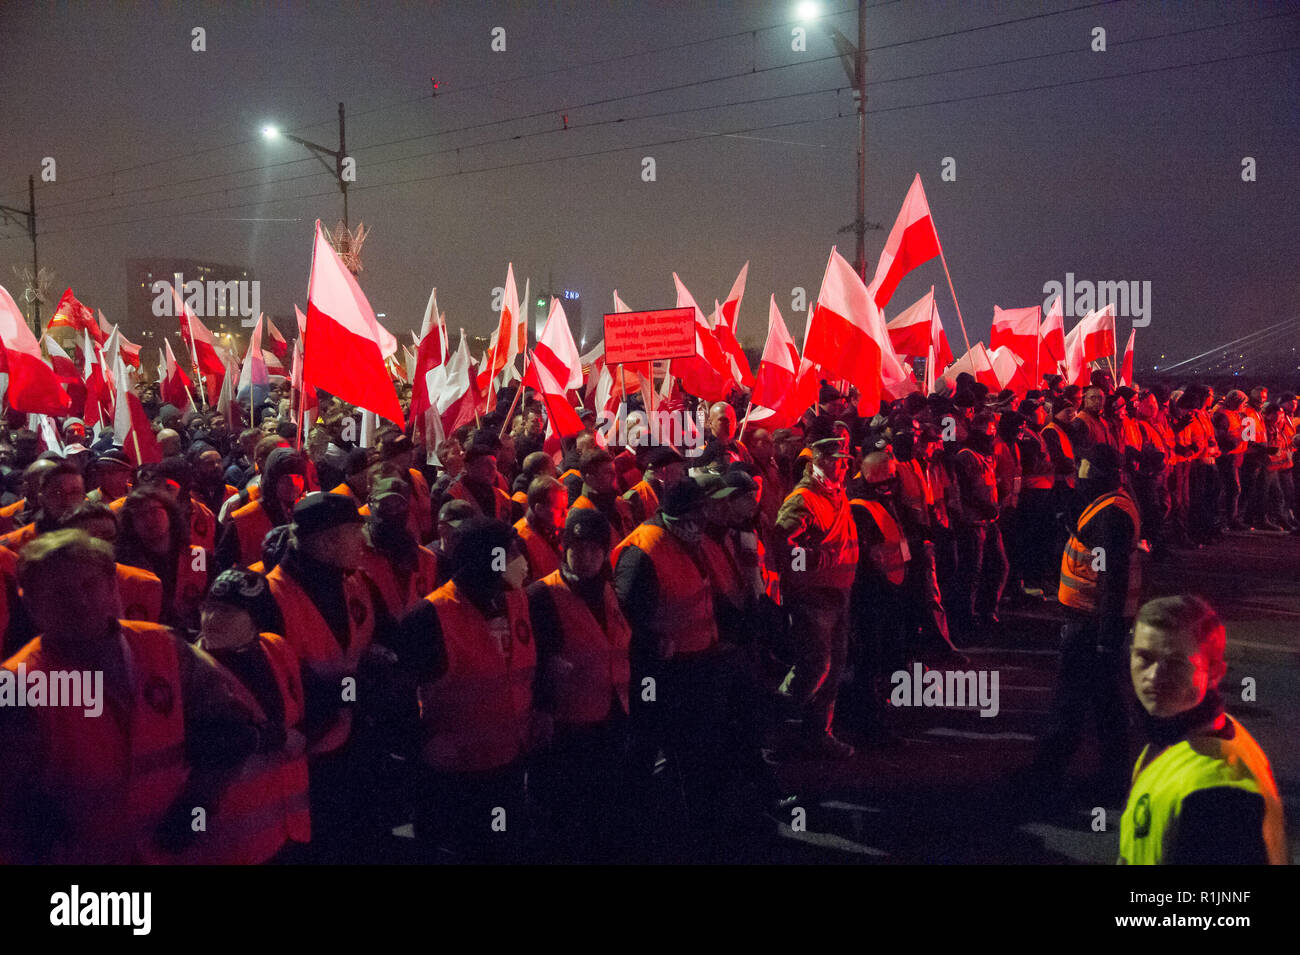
[
  {"x": 320, "y": 511},
  {"x": 586, "y": 524},
  {"x": 247, "y": 591}
]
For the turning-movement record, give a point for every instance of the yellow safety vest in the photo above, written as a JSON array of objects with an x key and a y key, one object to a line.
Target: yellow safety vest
[{"x": 1148, "y": 830}]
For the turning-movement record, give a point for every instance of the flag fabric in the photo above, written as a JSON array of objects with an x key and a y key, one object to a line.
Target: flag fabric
[
  {"x": 129, "y": 351},
  {"x": 198, "y": 339},
  {"x": 521, "y": 323},
  {"x": 343, "y": 352},
  {"x": 505, "y": 350},
  {"x": 70, "y": 313},
  {"x": 706, "y": 374},
  {"x": 1126, "y": 366},
  {"x": 846, "y": 336},
  {"x": 228, "y": 398},
  {"x": 912, "y": 242},
  {"x": 131, "y": 429},
  {"x": 431, "y": 352},
  {"x": 1092, "y": 339},
  {"x": 896, "y": 377},
  {"x": 174, "y": 384},
  {"x": 641, "y": 373},
  {"x": 774, "y": 383},
  {"x": 452, "y": 389},
  {"x": 253, "y": 381},
  {"x": 976, "y": 362},
  {"x": 1010, "y": 369},
  {"x": 560, "y": 416},
  {"x": 726, "y": 331},
  {"x": 275, "y": 342},
  {"x": 1017, "y": 329},
  {"x": 33, "y": 385},
  {"x": 1051, "y": 340},
  {"x": 556, "y": 353},
  {"x": 100, "y": 392},
  {"x": 68, "y": 372}
]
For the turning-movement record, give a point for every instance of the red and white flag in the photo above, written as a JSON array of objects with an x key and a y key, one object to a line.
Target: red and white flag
[
  {"x": 774, "y": 383},
  {"x": 1010, "y": 369},
  {"x": 33, "y": 385},
  {"x": 847, "y": 337},
  {"x": 174, "y": 384},
  {"x": 976, "y": 363},
  {"x": 1093, "y": 339},
  {"x": 275, "y": 342},
  {"x": 131, "y": 429},
  {"x": 726, "y": 332},
  {"x": 707, "y": 373},
  {"x": 507, "y": 339},
  {"x": 198, "y": 339},
  {"x": 1126, "y": 366},
  {"x": 431, "y": 352},
  {"x": 101, "y": 391},
  {"x": 556, "y": 353},
  {"x": 1017, "y": 329},
  {"x": 344, "y": 348},
  {"x": 1051, "y": 340},
  {"x": 912, "y": 242},
  {"x": 451, "y": 385}
]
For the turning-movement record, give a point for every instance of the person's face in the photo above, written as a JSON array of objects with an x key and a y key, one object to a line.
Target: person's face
[
  {"x": 452, "y": 456},
  {"x": 1121, "y": 408},
  {"x": 114, "y": 483},
  {"x": 761, "y": 446},
  {"x": 1261, "y": 399},
  {"x": 223, "y": 627},
  {"x": 74, "y": 434},
  {"x": 835, "y": 467},
  {"x": 269, "y": 425},
  {"x": 1289, "y": 406},
  {"x": 62, "y": 494},
  {"x": 551, "y": 511},
  {"x": 342, "y": 546},
  {"x": 289, "y": 488},
  {"x": 482, "y": 469},
  {"x": 1147, "y": 407},
  {"x": 208, "y": 467},
  {"x": 602, "y": 478},
  {"x": 586, "y": 558},
  {"x": 249, "y": 445},
  {"x": 153, "y": 525},
  {"x": 533, "y": 425},
  {"x": 722, "y": 422},
  {"x": 1170, "y": 672},
  {"x": 789, "y": 447},
  {"x": 1093, "y": 400},
  {"x": 62, "y": 609}
]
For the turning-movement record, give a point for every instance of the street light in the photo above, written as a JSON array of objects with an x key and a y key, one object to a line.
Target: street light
[
  {"x": 853, "y": 57},
  {"x": 338, "y": 155}
]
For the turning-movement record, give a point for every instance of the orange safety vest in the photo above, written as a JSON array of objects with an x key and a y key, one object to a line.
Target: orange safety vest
[
  {"x": 723, "y": 571},
  {"x": 420, "y": 516},
  {"x": 1247, "y": 412},
  {"x": 1078, "y": 587},
  {"x": 112, "y": 777},
  {"x": 203, "y": 525},
  {"x": 310, "y": 636},
  {"x": 683, "y": 620},
  {"x": 837, "y": 561},
  {"x": 141, "y": 592},
  {"x": 1043, "y": 475},
  {"x": 1067, "y": 449},
  {"x": 252, "y": 524},
  {"x": 1234, "y": 431},
  {"x": 267, "y": 804},
  {"x": 9, "y": 514},
  {"x": 891, "y": 555},
  {"x": 17, "y": 540},
  {"x": 599, "y": 656},
  {"x": 619, "y": 528},
  {"x": 647, "y": 500},
  {"x": 541, "y": 556},
  {"x": 500, "y": 500},
  {"x": 399, "y": 600},
  {"x": 477, "y": 712}
]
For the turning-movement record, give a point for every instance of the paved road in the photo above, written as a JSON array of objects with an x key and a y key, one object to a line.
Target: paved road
[{"x": 942, "y": 794}]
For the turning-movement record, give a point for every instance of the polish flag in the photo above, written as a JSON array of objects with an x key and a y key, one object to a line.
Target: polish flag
[
  {"x": 60, "y": 361},
  {"x": 452, "y": 389},
  {"x": 706, "y": 374},
  {"x": 228, "y": 399},
  {"x": 976, "y": 362},
  {"x": 896, "y": 377},
  {"x": 846, "y": 336},
  {"x": 129, "y": 351},
  {"x": 131, "y": 429},
  {"x": 592, "y": 362},
  {"x": 174, "y": 383},
  {"x": 70, "y": 313},
  {"x": 1126, "y": 366},
  {"x": 100, "y": 391},
  {"x": 556, "y": 354},
  {"x": 774, "y": 383},
  {"x": 33, "y": 385},
  {"x": 343, "y": 353},
  {"x": 1017, "y": 329},
  {"x": 253, "y": 380},
  {"x": 726, "y": 332},
  {"x": 507, "y": 340},
  {"x": 912, "y": 242},
  {"x": 198, "y": 339},
  {"x": 1010, "y": 369},
  {"x": 1051, "y": 340},
  {"x": 275, "y": 342},
  {"x": 1093, "y": 339},
  {"x": 431, "y": 351}
]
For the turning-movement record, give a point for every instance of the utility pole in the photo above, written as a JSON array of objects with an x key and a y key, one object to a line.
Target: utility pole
[
  {"x": 30, "y": 214},
  {"x": 860, "y": 77},
  {"x": 338, "y": 161},
  {"x": 338, "y": 155}
]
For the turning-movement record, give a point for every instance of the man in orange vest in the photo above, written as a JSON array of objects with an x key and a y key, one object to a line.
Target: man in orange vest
[
  {"x": 62, "y": 490},
  {"x": 582, "y": 647},
  {"x": 285, "y": 479},
  {"x": 113, "y": 777},
  {"x": 470, "y": 644},
  {"x": 541, "y": 527},
  {"x": 599, "y": 492},
  {"x": 662, "y": 466},
  {"x": 1227, "y": 432},
  {"x": 981, "y": 556},
  {"x": 265, "y": 814},
  {"x": 818, "y": 556},
  {"x": 478, "y": 484},
  {"x": 1100, "y": 584},
  {"x": 403, "y": 569}
]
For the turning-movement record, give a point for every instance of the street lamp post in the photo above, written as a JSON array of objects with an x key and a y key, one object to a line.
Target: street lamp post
[{"x": 338, "y": 155}]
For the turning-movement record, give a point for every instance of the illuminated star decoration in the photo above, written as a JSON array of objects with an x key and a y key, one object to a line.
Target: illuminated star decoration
[
  {"x": 348, "y": 244},
  {"x": 36, "y": 290}
]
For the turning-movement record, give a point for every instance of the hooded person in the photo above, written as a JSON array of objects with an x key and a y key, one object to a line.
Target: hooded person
[
  {"x": 470, "y": 644},
  {"x": 284, "y": 480},
  {"x": 403, "y": 569},
  {"x": 582, "y": 645},
  {"x": 209, "y": 485}
]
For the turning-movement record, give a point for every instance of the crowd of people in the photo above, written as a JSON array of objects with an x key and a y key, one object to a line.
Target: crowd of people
[{"x": 556, "y": 649}]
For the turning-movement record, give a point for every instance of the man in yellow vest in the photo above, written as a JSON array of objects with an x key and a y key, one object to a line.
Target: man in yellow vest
[
  {"x": 1099, "y": 591},
  {"x": 470, "y": 644},
  {"x": 817, "y": 552},
  {"x": 583, "y": 669},
  {"x": 114, "y": 776},
  {"x": 1203, "y": 791}
]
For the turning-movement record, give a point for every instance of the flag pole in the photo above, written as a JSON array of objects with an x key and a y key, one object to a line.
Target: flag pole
[
  {"x": 948, "y": 275},
  {"x": 514, "y": 404}
]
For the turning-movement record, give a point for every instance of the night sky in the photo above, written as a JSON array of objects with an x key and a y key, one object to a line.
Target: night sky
[{"x": 1132, "y": 178}]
